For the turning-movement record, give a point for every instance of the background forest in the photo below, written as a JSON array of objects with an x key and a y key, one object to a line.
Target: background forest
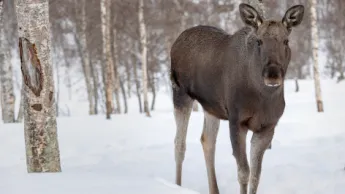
[{"x": 77, "y": 43}]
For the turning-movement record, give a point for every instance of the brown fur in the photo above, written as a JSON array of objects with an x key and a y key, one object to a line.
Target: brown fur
[{"x": 230, "y": 76}]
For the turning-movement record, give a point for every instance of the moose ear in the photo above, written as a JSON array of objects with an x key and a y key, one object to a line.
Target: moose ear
[
  {"x": 250, "y": 16},
  {"x": 293, "y": 16}
]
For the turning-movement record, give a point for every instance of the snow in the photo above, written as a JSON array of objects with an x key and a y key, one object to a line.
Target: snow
[{"x": 133, "y": 154}]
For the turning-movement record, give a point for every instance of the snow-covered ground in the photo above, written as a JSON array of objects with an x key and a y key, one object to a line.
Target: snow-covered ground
[{"x": 132, "y": 154}]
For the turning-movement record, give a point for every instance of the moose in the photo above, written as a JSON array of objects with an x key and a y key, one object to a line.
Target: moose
[{"x": 238, "y": 78}]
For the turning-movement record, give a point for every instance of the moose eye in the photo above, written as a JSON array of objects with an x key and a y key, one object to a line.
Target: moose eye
[
  {"x": 259, "y": 42},
  {"x": 286, "y": 42}
]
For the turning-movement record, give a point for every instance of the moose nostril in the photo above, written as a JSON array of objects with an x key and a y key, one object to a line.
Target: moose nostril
[{"x": 272, "y": 72}]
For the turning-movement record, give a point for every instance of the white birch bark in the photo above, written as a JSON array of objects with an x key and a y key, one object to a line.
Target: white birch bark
[
  {"x": 57, "y": 91},
  {"x": 68, "y": 75},
  {"x": 21, "y": 110},
  {"x": 1, "y": 103},
  {"x": 143, "y": 41},
  {"x": 41, "y": 142},
  {"x": 116, "y": 73},
  {"x": 315, "y": 47},
  {"x": 85, "y": 55},
  {"x": 1, "y": 56},
  {"x": 94, "y": 74},
  {"x": 128, "y": 80},
  {"x": 137, "y": 82},
  {"x": 107, "y": 58},
  {"x": 6, "y": 75},
  {"x": 20, "y": 115}
]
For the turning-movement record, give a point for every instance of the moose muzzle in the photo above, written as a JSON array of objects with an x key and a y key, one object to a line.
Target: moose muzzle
[{"x": 273, "y": 75}]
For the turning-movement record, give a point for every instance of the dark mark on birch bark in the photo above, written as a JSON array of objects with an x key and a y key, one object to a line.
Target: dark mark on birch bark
[
  {"x": 37, "y": 107},
  {"x": 30, "y": 66},
  {"x": 51, "y": 96}
]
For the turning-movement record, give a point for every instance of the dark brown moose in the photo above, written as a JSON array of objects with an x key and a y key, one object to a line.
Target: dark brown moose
[{"x": 239, "y": 78}]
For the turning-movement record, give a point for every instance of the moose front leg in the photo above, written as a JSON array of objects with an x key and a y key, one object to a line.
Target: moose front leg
[
  {"x": 259, "y": 143},
  {"x": 238, "y": 134}
]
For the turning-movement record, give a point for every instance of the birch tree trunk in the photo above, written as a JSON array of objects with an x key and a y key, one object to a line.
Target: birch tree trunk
[
  {"x": 341, "y": 72},
  {"x": 41, "y": 141},
  {"x": 1, "y": 102},
  {"x": 67, "y": 74},
  {"x": 151, "y": 79},
  {"x": 107, "y": 58},
  {"x": 137, "y": 83},
  {"x": 124, "y": 96},
  {"x": 1, "y": 56},
  {"x": 21, "y": 106},
  {"x": 315, "y": 46},
  {"x": 6, "y": 75},
  {"x": 296, "y": 85},
  {"x": 84, "y": 53},
  {"x": 95, "y": 86},
  {"x": 128, "y": 79},
  {"x": 116, "y": 73},
  {"x": 143, "y": 41},
  {"x": 57, "y": 71}
]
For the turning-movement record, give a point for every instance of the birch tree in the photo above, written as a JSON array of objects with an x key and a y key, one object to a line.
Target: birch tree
[
  {"x": 6, "y": 74},
  {"x": 41, "y": 142},
  {"x": 20, "y": 115},
  {"x": 116, "y": 72},
  {"x": 143, "y": 41},
  {"x": 107, "y": 58},
  {"x": 1, "y": 16},
  {"x": 315, "y": 46},
  {"x": 137, "y": 81},
  {"x": 84, "y": 52}
]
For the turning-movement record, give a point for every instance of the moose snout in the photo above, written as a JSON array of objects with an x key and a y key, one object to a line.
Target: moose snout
[{"x": 273, "y": 75}]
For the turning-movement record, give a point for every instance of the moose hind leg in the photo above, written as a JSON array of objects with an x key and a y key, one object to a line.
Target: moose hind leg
[
  {"x": 208, "y": 141},
  {"x": 259, "y": 143},
  {"x": 182, "y": 111},
  {"x": 238, "y": 134}
]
